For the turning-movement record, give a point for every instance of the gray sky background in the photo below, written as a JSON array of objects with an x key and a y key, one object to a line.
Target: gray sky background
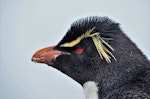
[{"x": 29, "y": 25}]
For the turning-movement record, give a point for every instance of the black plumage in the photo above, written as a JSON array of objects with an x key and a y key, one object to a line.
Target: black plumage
[{"x": 127, "y": 77}]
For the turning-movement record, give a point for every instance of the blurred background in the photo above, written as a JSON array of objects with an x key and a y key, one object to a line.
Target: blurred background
[{"x": 29, "y": 25}]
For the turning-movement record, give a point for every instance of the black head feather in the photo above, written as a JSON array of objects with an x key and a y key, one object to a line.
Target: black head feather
[{"x": 103, "y": 25}]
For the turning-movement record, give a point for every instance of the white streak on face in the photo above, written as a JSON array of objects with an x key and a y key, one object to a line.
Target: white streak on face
[
  {"x": 90, "y": 90},
  {"x": 65, "y": 53}
]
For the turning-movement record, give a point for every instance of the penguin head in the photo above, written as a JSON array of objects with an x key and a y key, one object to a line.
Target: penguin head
[{"x": 87, "y": 46}]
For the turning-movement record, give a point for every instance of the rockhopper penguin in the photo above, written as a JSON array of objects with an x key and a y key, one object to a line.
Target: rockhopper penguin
[{"x": 97, "y": 54}]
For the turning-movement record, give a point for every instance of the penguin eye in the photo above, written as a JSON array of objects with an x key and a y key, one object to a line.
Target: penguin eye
[{"x": 79, "y": 50}]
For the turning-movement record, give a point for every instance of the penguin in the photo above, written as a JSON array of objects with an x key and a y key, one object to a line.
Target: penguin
[{"x": 97, "y": 54}]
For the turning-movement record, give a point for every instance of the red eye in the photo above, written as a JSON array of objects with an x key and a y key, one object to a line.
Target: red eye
[{"x": 79, "y": 51}]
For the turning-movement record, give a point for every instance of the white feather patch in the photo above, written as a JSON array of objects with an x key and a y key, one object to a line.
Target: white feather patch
[{"x": 90, "y": 90}]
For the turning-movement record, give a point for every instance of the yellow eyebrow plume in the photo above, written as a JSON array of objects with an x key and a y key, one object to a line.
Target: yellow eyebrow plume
[
  {"x": 99, "y": 43},
  {"x": 73, "y": 43},
  {"x": 76, "y": 41}
]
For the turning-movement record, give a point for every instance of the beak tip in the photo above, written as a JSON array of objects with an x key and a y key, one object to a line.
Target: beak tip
[
  {"x": 33, "y": 59},
  {"x": 37, "y": 60}
]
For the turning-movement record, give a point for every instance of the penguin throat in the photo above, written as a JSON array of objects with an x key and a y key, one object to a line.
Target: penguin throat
[{"x": 90, "y": 90}]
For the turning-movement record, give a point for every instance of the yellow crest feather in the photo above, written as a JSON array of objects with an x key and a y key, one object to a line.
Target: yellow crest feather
[
  {"x": 72, "y": 43},
  {"x": 99, "y": 43},
  {"x": 76, "y": 41}
]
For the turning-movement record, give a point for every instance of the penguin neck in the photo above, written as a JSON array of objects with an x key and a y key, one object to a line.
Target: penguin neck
[
  {"x": 91, "y": 90},
  {"x": 110, "y": 79}
]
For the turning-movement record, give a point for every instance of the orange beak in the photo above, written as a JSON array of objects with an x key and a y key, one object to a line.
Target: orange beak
[{"x": 45, "y": 55}]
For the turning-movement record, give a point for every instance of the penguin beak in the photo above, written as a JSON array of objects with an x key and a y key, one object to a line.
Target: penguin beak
[{"x": 46, "y": 55}]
